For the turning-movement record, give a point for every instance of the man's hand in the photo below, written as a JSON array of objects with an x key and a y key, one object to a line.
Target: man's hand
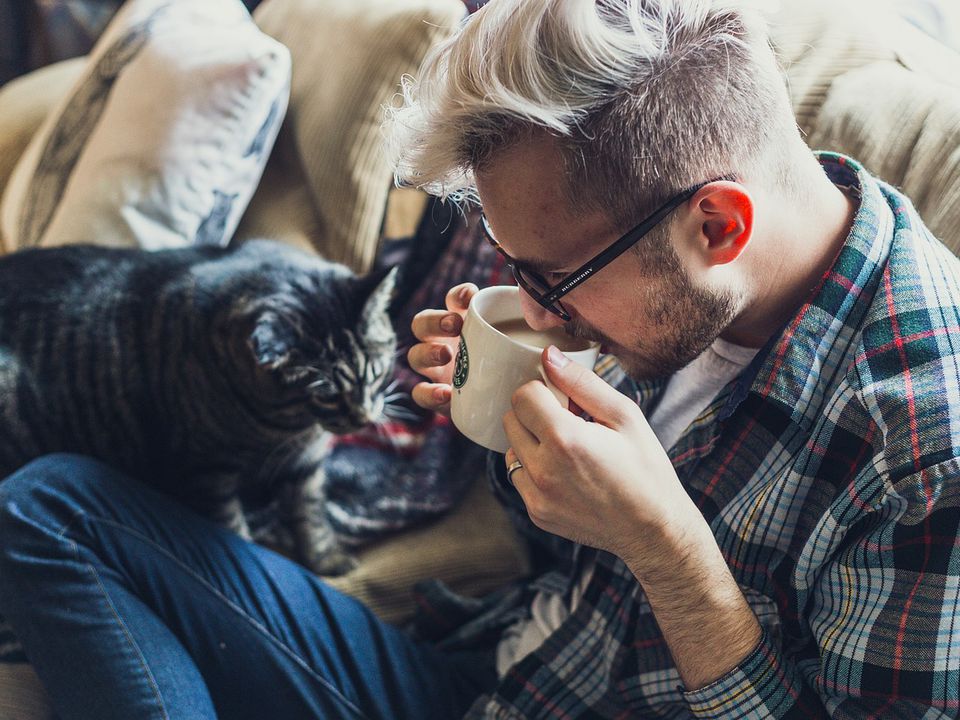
[
  {"x": 609, "y": 484},
  {"x": 433, "y": 356},
  {"x": 604, "y": 483}
]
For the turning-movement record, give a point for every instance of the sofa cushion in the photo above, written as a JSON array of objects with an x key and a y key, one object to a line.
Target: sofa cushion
[
  {"x": 24, "y": 104},
  {"x": 905, "y": 128},
  {"x": 348, "y": 57},
  {"x": 818, "y": 40},
  {"x": 867, "y": 83},
  {"x": 474, "y": 549},
  {"x": 22, "y": 697},
  {"x": 163, "y": 138}
]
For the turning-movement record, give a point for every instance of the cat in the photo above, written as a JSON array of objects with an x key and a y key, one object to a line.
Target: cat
[{"x": 215, "y": 375}]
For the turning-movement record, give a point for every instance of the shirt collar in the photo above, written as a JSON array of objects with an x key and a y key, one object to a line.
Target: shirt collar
[{"x": 790, "y": 368}]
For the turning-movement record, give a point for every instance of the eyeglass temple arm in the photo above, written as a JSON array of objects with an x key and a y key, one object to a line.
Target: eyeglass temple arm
[{"x": 592, "y": 266}]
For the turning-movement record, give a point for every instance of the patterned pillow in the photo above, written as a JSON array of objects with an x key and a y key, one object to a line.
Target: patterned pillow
[{"x": 162, "y": 140}]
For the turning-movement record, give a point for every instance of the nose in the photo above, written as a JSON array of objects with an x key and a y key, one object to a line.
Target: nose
[{"x": 537, "y": 316}]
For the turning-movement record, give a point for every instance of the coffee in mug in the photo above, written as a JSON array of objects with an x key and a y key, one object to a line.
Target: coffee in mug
[
  {"x": 498, "y": 353},
  {"x": 517, "y": 329}
]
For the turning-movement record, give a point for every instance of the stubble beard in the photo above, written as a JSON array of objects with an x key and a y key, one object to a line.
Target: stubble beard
[{"x": 682, "y": 322}]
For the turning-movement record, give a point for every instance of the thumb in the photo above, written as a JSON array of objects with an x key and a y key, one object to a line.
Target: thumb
[{"x": 585, "y": 388}]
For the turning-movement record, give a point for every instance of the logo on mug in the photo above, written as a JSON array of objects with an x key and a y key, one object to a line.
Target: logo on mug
[{"x": 462, "y": 366}]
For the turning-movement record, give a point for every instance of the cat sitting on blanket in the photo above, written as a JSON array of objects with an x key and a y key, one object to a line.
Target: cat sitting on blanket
[{"x": 215, "y": 375}]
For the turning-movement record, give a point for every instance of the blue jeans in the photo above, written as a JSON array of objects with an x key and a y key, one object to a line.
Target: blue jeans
[{"x": 130, "y": 606}]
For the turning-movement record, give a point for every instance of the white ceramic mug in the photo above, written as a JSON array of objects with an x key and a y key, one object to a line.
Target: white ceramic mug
[{"x": 491, "y": 365}]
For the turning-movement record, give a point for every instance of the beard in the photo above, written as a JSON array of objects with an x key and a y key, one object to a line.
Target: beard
[{"x": 681, "y": 321}]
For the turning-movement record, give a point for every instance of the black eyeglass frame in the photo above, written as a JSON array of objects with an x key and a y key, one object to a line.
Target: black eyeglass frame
[{"x": 549, "y": 298}]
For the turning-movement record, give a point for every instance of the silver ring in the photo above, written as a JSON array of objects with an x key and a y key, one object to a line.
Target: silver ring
[{"x": 512, "y": 468}]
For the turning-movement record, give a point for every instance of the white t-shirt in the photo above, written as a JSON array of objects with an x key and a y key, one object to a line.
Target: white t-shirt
[{"x": 686, "y": 395}]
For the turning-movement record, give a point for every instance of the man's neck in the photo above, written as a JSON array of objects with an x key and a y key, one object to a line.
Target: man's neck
[{"x": 804, "y": 243}]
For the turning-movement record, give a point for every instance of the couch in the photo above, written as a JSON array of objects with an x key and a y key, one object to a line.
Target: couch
[{"x": 862, "y": 81}]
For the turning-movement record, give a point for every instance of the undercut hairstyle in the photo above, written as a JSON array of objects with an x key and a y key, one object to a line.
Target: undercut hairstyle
[{"x": 646, "y": 98}]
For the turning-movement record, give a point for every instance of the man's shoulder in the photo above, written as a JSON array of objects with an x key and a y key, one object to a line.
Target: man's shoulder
[{"x": 906, "y": 369}]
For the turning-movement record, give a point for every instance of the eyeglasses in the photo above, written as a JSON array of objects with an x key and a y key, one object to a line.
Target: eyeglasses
[{"x": 549, "y": 295}]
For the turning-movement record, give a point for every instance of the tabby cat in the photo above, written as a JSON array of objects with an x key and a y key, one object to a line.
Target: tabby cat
[{"x": 215, "y": 375}]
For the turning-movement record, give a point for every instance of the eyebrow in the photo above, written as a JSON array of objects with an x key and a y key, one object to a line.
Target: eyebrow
[{"x": 539, "y": 266}]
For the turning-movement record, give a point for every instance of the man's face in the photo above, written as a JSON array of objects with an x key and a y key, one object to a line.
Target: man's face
[{"x": 644, "y": 308}]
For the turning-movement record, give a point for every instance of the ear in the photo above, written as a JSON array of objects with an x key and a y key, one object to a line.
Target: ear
[
  {"x": 726, "y": 219},
  {"x": 379, "y": 289},
  {"x": 272, "y": 341}
]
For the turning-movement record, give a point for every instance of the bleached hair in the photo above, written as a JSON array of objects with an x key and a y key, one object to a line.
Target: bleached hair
[{"x": 647, "y": 97}]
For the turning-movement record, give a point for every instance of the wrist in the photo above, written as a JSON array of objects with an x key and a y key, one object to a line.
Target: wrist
[
  {"x": 705, "y": 619},
  {"x": 663, "y": 542}
]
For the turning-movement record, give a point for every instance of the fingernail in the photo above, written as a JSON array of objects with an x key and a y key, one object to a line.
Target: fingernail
[
  {"x": 557, "y": 358},
  {"x": 441, "y": 395},
  {"x": 449, "y": 324},
  {"x": 465, "y": 295}
]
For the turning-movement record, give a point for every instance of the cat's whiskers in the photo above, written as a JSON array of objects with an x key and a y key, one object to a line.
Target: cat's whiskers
[
  {"x": 391, "y": 386},
  {"x": 398, "y": 412}
]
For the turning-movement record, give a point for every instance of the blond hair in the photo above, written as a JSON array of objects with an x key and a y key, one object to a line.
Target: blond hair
[{"x": 647, "y": 97}]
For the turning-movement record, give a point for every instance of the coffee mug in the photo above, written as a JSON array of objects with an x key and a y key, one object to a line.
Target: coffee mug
[{"x": 498, "y": 353}]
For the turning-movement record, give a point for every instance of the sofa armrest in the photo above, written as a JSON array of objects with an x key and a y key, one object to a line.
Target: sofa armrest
[{"x": 21, "y": 694}]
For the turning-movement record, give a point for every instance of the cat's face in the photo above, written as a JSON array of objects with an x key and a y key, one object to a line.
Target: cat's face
[{"x": 334, "y": 357}]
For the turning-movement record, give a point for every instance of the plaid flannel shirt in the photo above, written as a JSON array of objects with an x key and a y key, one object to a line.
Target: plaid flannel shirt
[{"x": 829, "y": 474}]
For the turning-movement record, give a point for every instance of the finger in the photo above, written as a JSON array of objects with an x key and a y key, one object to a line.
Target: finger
[
  {"x": 436, "y": 324},
  {"x": 522, "y": 442},
  {"x": 510, "y": 457},
  {"x": 585, "y": 388},
  {"x": 432, "y": 396},
  {"x": 537, "y": 409},
  {"x": 459, "y": 297},
  {"x": 433, "y": 360}
]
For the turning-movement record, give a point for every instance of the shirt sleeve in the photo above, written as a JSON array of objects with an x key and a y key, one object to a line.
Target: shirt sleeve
[{"x": 881, "y": 621}]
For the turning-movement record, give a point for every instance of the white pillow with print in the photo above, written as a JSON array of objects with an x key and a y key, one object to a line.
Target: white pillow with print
[{"x": 163, "y": 139}]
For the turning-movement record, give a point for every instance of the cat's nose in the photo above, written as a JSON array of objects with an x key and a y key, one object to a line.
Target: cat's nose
[{"x": 366, "y": 413}]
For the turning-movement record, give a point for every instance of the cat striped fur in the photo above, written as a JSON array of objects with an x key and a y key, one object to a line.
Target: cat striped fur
[{"x": 215, "y": 375}]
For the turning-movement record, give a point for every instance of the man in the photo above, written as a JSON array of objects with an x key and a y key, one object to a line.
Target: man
[
  {"x": 769, "y": 530},
  {"x": 790, "y": 553}
]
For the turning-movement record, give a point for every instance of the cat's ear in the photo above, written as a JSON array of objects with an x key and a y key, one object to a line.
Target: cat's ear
[
  {"x": 379, "y": 288},
  {"x": 272, "y": 341}
]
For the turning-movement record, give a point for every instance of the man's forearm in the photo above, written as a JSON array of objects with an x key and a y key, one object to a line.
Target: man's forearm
[{"x": 703, "y": 615}]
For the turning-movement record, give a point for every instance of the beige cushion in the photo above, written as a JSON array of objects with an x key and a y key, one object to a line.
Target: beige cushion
[
  {"x": 24, "y": 103},
  {"x": 905, "y": 128},
  {"x": 818, "y": 40},
  {"x": 348, "y": 57},
  {"x": 869, "y": 84},
  {"x": 22, "y": 697},
  {"x": 474, "y": 549}
]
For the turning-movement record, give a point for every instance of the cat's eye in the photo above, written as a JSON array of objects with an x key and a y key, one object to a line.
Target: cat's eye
[{"x": 323, "y": 386}]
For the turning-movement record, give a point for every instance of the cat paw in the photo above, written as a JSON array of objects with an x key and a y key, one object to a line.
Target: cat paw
[{"x": 332, "y": 563}]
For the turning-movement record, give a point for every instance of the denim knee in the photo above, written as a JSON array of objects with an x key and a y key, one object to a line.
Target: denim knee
[{"x": 47, "y": 487}]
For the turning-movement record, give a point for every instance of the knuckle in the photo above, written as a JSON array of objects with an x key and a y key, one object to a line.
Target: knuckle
[
  {"x": 540, "y": 480},
  {"x": 421, "y": 396},
  {"x": 419, "y": 319},
  {"x": 560, "y": 443},
  {"x": 412, "y": 357}
]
